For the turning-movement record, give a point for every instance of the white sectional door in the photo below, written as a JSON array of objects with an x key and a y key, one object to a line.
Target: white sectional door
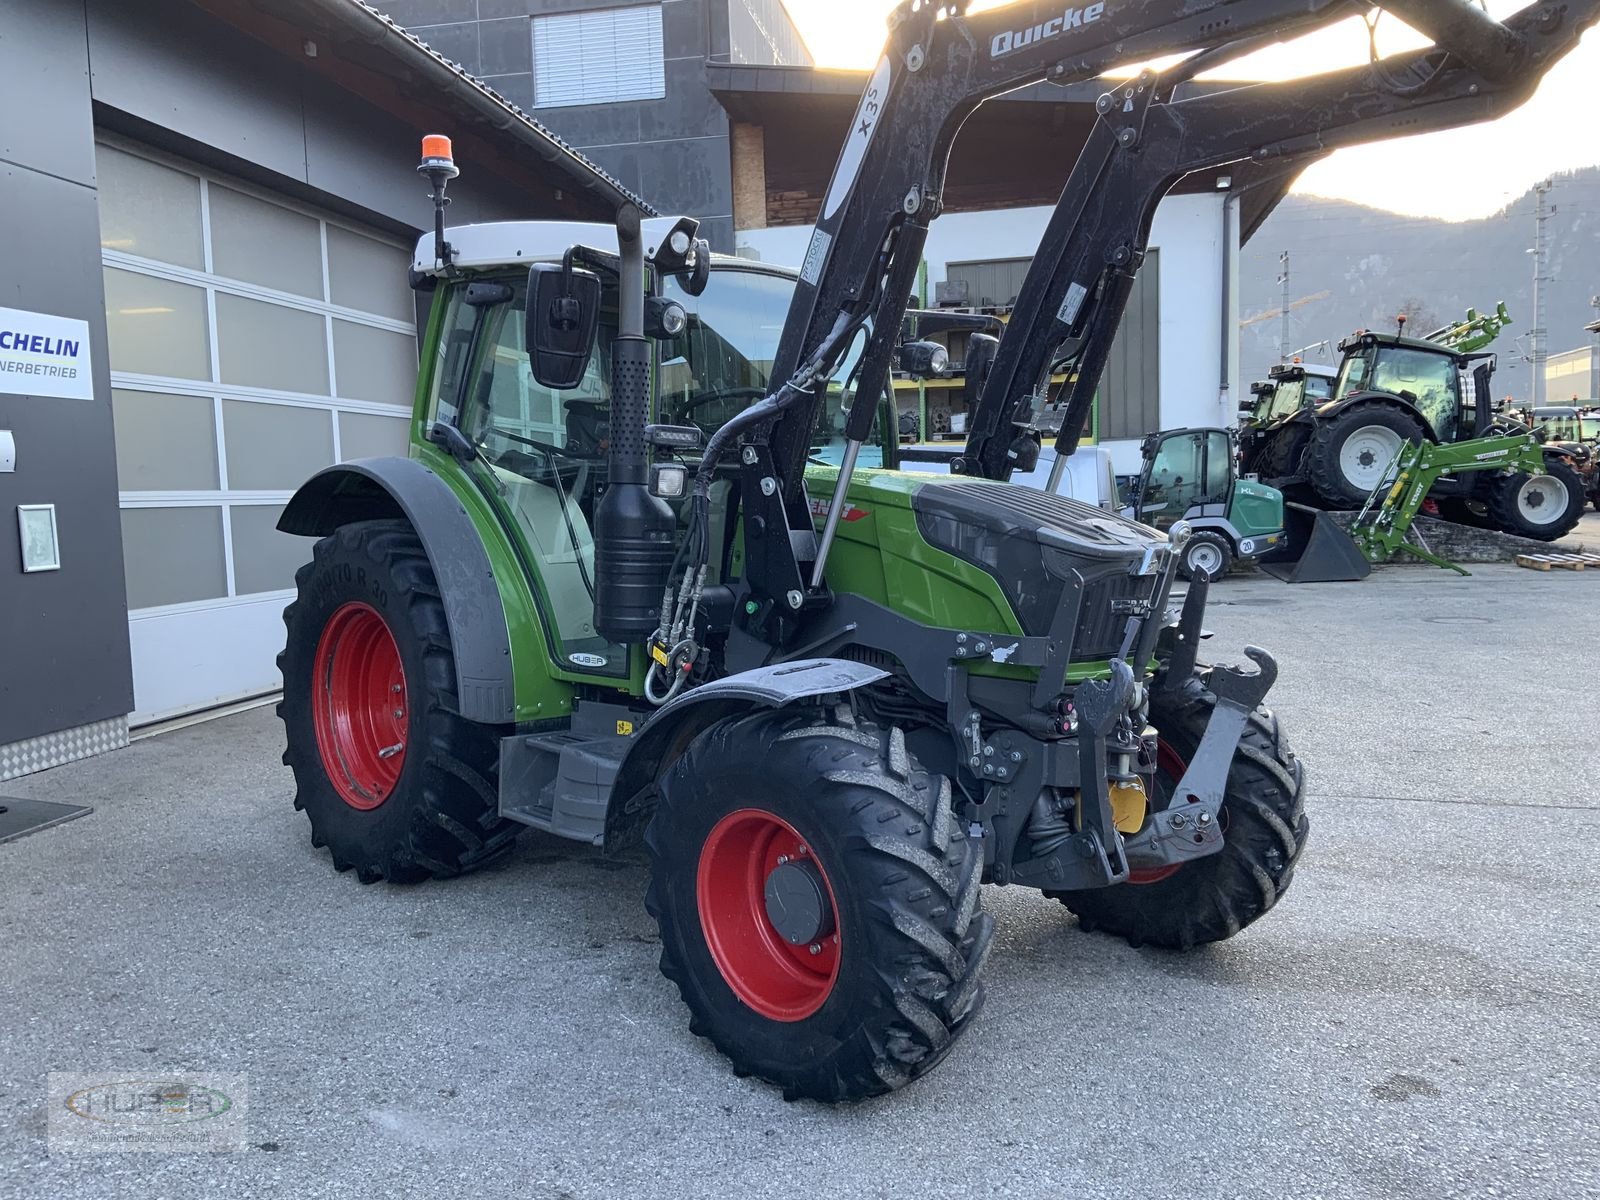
[{"x": 254, "y": 340}]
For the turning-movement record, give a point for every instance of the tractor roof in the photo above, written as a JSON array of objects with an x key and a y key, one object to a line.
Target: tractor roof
[
  {"x": 1369, "y": 337},
  {"x": 510, "y": 243},
  {"x": 1288, "y": 370}
]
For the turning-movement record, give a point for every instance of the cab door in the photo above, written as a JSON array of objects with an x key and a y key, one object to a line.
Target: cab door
[{"x": 1172, "y": 481}]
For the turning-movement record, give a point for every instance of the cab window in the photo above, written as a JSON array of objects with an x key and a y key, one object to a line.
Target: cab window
[
  {"x": 543, "y": 455},
  {"x": 722, "y": 362},
  {"x": 1286, "y": 398},
  {"x": 1429, "y": 381}
]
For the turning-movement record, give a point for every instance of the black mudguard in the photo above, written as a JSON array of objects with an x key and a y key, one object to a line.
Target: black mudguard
[
  {"x": 671, "y": 730},
  {"x": 375, "y": 488}
]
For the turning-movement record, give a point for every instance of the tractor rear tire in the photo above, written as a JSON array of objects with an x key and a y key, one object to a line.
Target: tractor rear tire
[
  {"x": 1348, "y": 455},
  {"x": 397, "y": 784},
  {"x": 1264, "y": 830},
  {"x": 1518, "y": 501},
  {"x": 1281, "y": 453},
  {"x": 884, "y": 976},
  {"x": 1208, "y": 549}
]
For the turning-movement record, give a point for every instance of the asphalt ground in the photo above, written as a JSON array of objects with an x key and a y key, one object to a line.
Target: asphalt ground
[{"x": 1417, "y": 1018}]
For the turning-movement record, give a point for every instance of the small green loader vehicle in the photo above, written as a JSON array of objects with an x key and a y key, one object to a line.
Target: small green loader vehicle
[
  {"x": 615, "y": 592},
  {"x": 1191, "y": 475}
]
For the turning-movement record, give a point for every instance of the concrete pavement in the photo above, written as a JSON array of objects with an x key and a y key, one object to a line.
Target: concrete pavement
[{"x": 1417, "y": 1018}]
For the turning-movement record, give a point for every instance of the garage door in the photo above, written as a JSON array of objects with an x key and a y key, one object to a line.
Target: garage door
[{"x": 253, "y": 341}]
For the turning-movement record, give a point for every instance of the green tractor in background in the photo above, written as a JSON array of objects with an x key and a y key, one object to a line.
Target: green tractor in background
[
  {"x": 1191, "y": 475},
  {"x": 1275, "y": 402},
  {"x": 1393, "y": 390}
]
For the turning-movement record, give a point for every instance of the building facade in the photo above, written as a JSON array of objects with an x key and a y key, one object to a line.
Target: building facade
[
  {"x": 627, "y": 84},
  {"x": 1573, "y": 376},
  {"x": 205, "y": 301}
]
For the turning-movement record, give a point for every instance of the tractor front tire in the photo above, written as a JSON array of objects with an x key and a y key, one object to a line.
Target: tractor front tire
[
  {"x": 1264, "y": 830},
  {"x": 396, "y": 782},
  {"x": 1208, "y": 551},
  {"x": 818, "y": 902},
  {"x": 1543, "y": 507},
  {"x": 1348, "y": 455}
]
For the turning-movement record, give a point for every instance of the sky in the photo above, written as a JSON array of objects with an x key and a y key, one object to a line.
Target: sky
[{"x": 1456, "y": 175}]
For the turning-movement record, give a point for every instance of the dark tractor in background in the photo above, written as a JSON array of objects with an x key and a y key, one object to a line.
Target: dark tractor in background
[{"x": 1393, "y": 390}]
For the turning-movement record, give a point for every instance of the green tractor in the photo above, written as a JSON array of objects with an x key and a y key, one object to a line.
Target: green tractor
[
  {"x": 615, "y": 593},
  {"x": 1191, "y": 475},
  {"x": 1393, "y": 390},
  {"x": 1278, "y": 400}
]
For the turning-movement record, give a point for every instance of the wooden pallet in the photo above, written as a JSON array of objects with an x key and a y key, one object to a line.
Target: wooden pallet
[{"x": 1566, "y": 562}]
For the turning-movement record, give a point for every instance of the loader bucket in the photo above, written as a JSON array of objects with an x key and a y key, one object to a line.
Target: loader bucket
[{"x": 1315, "y": 550}]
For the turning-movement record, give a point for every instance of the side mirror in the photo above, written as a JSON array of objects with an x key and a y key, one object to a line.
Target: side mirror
[
  {"x": 981, "y": 348},
  {"x": 562, "y": 316}
]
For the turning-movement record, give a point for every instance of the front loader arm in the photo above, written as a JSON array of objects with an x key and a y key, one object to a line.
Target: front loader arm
[
  {"x": 940, "y": 63},
  {"x": 1146, "y": 140}
]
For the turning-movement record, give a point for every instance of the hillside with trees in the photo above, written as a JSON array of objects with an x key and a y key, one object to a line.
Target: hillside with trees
[{"x": 1352, "y": 267}]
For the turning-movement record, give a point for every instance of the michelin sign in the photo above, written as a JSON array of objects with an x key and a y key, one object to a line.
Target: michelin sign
[{"x": 43, "y": 355}]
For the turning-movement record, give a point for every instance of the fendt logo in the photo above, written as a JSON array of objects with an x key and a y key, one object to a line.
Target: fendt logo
[{"x": 1011, "y": 41}]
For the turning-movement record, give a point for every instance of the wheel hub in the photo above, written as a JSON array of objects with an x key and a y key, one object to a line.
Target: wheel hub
[
  {"x": 358, "y": 708},
  {"x": 1204, "y": 556},
  {"x": 767, "y": 909},
  {"x": 1537, "y": 499},
  {"x": 797, "y": 902},
  {"x": 1366, "y": 455}
]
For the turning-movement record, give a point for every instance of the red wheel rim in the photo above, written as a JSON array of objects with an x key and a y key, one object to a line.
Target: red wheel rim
[
  {"x": 358, "y": 705},
  {"x": 778, "y": 980},
  {"x": 1171, "y": 764}
]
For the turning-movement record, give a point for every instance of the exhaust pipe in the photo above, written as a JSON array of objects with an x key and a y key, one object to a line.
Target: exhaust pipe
[{"x": 632, "y": 528}]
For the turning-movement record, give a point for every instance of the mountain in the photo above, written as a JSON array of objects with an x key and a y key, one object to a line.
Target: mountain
[{"x": 1353, "y": 267}]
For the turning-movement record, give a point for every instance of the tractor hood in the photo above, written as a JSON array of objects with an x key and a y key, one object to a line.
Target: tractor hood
[{"x": 1016, "y": 547}]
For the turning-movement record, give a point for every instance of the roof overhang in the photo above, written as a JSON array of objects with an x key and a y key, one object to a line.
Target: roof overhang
[
  {"x": 1014, "y": 151},
  {"x": 358, "y": 48}
]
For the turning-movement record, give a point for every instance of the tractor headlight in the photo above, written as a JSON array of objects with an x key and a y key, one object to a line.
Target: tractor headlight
[
  {"x": 664, "y": 318},
  {"x": 922, "y": 359},
  {"x": 668, "y": 480}
]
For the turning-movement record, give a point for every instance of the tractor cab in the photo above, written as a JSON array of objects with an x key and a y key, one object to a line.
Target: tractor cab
[
  {"x": 538, "y": 451},
  {"x": 1191, "y": 475},
  {"x": 1288, "y": 388},
  {"x": 1433, "y": 380}
]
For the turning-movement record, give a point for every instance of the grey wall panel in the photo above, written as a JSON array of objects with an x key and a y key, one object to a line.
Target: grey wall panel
[
  {"x": 458, "y": 43},
  {"x": 437, "y": 12},
  {"x": 596, "y": 124},
  {"x": 684, "y": 31},
  {"x": 63, "y": 634},
  {"x": 367, "y": 158},
  {"x": 1130, "y": 390},
  {"x": 506, "y": 46},
  {"x": 187, "y": 72},
  {"x": 44, "y": 73},
  {"x": 516, "y": 88},
  {"x": 692, "y": 176},
  {"x": 690, "y": 109}
]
